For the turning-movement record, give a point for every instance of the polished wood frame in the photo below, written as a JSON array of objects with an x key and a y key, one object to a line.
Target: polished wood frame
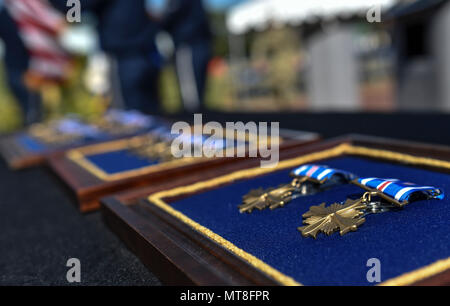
[
  {"x": 179, "y": 255},
  {"x": 18, "y": 157},
  {"x": 88, "y": 188}
]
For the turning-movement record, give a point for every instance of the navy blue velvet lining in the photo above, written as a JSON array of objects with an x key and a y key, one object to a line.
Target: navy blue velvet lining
[
  {"x": 122, "y": 160},
  {"x": 31, "y": 143},
  {"x": 119, "y": 161},
  {"x": 403, "y": 241},
  {"x": 34, "y": 145}
]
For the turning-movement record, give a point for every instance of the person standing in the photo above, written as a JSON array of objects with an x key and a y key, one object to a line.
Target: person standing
[
  {"x": 187, "y": 22},
  {"x": 16, "y": 61},
  {"x": 127, "y": 34},
  {"x": 49, "y": 66}
]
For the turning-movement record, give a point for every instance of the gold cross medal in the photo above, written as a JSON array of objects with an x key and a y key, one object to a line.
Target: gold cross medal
[
  {"x": 381, "y": 195},
  {"x": 152, "y": 146},
  {"x": 308, "y": 180},
  {"x": 155, "y": 145}
]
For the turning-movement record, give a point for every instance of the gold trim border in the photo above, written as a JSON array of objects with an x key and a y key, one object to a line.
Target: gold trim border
[
  {"x": 419, "y": 274},
  {"x": 78, "y": 156},
  {"x": 345, "y": 148}
]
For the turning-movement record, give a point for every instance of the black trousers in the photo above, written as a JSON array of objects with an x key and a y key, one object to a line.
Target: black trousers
[
  {"x": 139, "y": 82},
  {"x": 16, "y": 63}
]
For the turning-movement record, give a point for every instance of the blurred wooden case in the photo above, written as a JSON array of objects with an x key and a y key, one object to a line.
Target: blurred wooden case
[
  {"x": 181, "y": 255},
  {"x": 89, "y": 183},
  {"x": 21, "y": 150}
]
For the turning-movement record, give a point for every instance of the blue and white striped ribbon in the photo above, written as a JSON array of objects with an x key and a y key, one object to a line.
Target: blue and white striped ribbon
[
  {"x": 401, "y": 191},
  {"x": 321, "y": 172}
]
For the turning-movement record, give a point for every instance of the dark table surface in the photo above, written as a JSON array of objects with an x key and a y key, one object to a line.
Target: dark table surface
[{"x": 40, "y": 227}]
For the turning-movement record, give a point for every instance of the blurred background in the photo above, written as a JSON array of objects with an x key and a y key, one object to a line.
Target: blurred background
[{"x": 178, "y": 57}]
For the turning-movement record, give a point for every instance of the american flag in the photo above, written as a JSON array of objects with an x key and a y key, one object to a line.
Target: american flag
[{"x": 39, "y": 26}]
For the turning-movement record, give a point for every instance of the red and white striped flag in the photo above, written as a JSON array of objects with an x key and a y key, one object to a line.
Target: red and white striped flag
[{"x": 39, "y": 26}]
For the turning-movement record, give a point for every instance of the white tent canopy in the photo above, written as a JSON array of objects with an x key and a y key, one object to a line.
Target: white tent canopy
[{"x": 256, "y": 14}]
